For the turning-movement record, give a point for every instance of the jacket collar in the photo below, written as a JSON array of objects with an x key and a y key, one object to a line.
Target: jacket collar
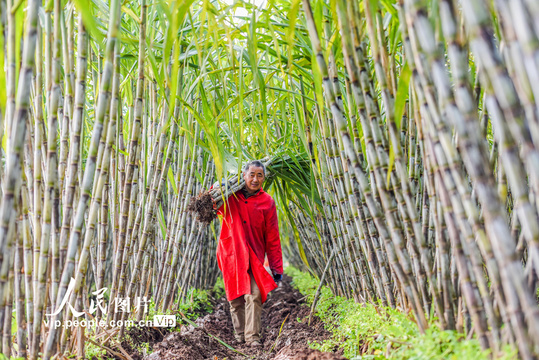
[{"x": 246, "y": 196}]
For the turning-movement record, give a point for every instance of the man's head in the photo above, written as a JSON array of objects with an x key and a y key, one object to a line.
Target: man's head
[{"x": 254, "y": 173}]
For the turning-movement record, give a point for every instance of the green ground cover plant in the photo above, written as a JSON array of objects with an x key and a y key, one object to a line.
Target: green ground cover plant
[{"x": 369, "y": 331}]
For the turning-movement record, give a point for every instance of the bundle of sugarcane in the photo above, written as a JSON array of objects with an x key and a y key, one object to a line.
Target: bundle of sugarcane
[{"x": 206, "y": 203}]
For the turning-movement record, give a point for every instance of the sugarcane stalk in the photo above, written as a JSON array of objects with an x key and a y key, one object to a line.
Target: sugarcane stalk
[
  {"x": 103, "y": 103},
  {"x": 50, "y": 213},
  {"x": 131, "y": 162},
  {"x": 75, "y": 143},
  {"x": 19, "y": 286},
  {"x": 322, "y": 278},
  {"x": 373, "y": 207},
  {"x": 11, "y": 185}
]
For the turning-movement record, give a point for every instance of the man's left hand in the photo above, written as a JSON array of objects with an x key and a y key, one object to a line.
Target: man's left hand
[{"x": 277, "y": 277}]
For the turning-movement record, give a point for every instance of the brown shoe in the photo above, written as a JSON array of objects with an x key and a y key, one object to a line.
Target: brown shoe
[
  {"x": 239, "y": 338},
  {"x": 255, "y": 344}
]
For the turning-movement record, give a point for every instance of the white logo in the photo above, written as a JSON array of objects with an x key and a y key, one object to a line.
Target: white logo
[
  {"x": 121, "y": 305},
  {"x": 164, "y": 320}
]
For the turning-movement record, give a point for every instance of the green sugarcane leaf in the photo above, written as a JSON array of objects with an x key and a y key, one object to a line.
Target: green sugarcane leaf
[
  {"x": 391, "y": 162},
  {"x": 170, "y": 176},
  {"x": 131, "y": 13},
  {"x": 230, "y": 105},
  {"x": 125, "y": 153},
  {"x": 85, "y": 9},
  {"x": 402, "y": 94},
  {"x": 317, "y": 84},
  {"x": 162, "y": 222},
  {"x": 291, "y": 29},
  {"x": 390, "y": 7}
]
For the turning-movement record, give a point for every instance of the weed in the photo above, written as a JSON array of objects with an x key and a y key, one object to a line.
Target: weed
[
  {"x": 368, "y": 331},
  {"x": 92, "y": 351}
]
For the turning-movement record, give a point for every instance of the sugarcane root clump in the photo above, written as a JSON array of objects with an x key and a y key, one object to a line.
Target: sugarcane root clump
[{"x": 202, "y": 205}]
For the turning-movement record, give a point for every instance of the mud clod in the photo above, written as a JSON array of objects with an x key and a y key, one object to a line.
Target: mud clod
[{"x": 284, "y": 307}]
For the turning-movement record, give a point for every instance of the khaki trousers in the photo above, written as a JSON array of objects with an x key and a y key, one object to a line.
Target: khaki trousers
[{"x": 246, "y": 312}]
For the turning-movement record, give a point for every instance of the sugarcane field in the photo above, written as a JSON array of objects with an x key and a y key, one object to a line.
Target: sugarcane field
[{"x": 269, "y": 179}]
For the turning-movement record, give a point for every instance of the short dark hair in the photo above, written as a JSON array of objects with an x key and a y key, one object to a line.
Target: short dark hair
[{"x": 255, "y": 163}]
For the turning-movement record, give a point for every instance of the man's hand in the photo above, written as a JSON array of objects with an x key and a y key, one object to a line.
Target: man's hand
[
  {"x": 223, "y": 184},
  {"x": 277, "y": 277}
]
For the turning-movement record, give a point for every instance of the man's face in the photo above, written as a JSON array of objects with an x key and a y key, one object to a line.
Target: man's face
[{"x": 254, "y": 177}]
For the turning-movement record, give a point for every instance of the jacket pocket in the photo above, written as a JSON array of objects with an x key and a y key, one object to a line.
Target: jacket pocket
[{"x": 225, "y": 247}]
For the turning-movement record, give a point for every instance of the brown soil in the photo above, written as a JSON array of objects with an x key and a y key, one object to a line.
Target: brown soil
[
  {"x": 137, "y": 335},
  {"x": 284, "y": 305},
  {"x": 202, "y": 205}
]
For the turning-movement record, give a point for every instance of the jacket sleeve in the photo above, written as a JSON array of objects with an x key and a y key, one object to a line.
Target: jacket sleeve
[{"x": 273, "y": 241}]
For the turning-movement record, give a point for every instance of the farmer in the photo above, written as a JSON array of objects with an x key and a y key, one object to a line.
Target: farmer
[{"x": 249, "y": 232}]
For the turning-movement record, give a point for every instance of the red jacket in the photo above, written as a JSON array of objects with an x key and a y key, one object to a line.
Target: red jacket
[{"x": 250, "y": 230}]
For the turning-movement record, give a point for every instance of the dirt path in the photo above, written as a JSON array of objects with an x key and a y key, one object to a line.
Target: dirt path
[{"x": 284, "y": 305}]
